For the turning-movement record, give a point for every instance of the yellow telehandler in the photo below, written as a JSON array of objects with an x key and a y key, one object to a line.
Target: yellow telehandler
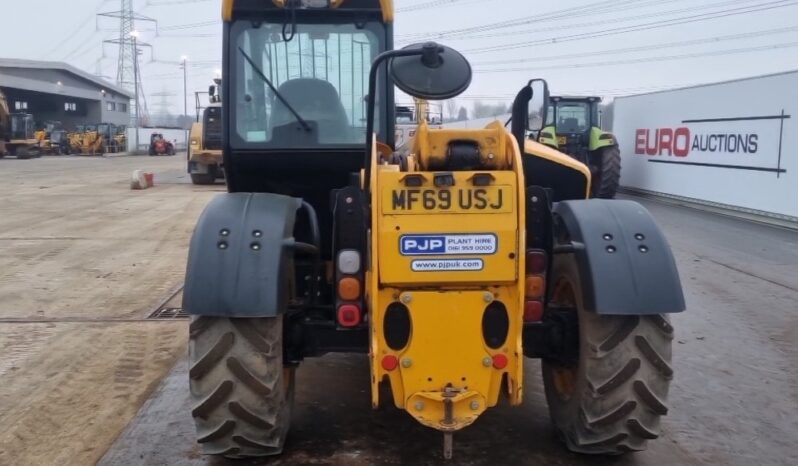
[{"x": 449, "y": 262}]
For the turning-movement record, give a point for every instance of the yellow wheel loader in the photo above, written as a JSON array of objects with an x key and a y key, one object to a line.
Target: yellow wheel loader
[
  {"x": 92, "y": 140},
  {"x": 449, "y": 262},
  {"x": 205, "y": 142},
  {"x": 120, "y": 138},
  {"x": 75, "y": 139}
]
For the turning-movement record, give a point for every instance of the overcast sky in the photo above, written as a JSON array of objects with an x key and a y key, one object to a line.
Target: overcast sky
[{"x": 597, "y": 47}]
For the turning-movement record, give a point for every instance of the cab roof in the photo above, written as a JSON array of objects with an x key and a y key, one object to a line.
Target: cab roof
[
  {"x": 235, "y": 6},
  {"x": 557, "y": 98}
]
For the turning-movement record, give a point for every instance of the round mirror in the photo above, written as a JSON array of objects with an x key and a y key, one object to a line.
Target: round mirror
[{"x": 438, "y": 73}]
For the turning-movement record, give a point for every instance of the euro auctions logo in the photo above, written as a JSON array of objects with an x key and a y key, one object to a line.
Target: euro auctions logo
[{"x": 681, "y": 142}]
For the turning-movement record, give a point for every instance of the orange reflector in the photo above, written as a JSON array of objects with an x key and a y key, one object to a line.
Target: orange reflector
[
  {"x": 499, "y": 361},
  {"x": 348, "y": 315},
  {"x": 536, "y": 261},
  {"x": 349, "y": 289},
  {"x": 390, "y": 362},
  {"x": 533, "y": 311},
  {"x": 534, "y": 287}
]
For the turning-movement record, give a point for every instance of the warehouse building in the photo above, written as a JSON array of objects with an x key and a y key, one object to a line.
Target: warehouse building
[{"x": 55, "y": 91}]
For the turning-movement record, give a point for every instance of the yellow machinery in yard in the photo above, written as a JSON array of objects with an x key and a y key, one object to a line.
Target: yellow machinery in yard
[
  {"x": 448, "y": 261},
  {"x": 409, "y": 116},
  {"x": 17, "y": 133},
  {"x": 97, "y": 139},
  {"x": 205, "y": 164},
  {"x": 75, "y": 139},
  {"x": 52, "y": 139},
  {"x": 91, "y": 141},
  {"x": 5, "y": 123}
]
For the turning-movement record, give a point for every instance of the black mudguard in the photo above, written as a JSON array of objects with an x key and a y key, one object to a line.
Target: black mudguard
[
  {"x": 241, "y": 256},
  {"x": 625, "y": 264}
]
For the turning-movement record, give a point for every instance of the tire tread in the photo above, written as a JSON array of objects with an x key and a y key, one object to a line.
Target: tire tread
[
  {"x": 241, "y": 402},
  {"x": 622, "y": 378}
]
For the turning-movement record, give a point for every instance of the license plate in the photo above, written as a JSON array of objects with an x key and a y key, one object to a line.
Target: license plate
[
  {"x": 562, "y": 140},
  {"x": 488, "y": 199}
]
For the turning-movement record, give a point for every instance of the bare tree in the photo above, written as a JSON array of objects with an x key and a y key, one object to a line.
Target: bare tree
[
  {"x": 451, "y": 109},
  {"x": 483, "y": 110}
]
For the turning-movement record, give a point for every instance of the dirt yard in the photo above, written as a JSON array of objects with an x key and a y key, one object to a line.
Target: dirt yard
[{"x": 83, "y": 261}]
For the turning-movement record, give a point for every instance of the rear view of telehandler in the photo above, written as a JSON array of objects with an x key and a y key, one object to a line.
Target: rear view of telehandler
[{"x": 448, "y": 262}]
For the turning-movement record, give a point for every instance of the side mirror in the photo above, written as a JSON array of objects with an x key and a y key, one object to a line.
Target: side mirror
[
  {"x": 538, "y": 105},
  {"x": 435, "y": 72},
  {"x": 426, "y": 71},
  {"x": 211, "y": 90},
  {"x": 530, "y": 108}
]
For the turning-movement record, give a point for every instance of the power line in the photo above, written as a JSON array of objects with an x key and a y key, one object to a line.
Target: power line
[
  {"x": 599, "y": 7},
  {"x": 435, "y": 4},
  {"x": 646, "y": 59},
  {"x": 190, "y": 25},
  {"x": 593, "y": 23},
  {"x": 75, "y": 32},
  {"x": 707, "y": 40},
  {"x": 640, "y": 27}
]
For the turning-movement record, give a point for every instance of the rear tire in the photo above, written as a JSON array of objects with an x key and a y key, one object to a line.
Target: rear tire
[
  {"x": 609, "y": 401},
  {"x": 240, "y": 391},
  {"x": 609, "y": 172}
]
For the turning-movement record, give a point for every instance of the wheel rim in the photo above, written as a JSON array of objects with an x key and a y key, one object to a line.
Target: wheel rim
[{"x": 564, "y": 378}]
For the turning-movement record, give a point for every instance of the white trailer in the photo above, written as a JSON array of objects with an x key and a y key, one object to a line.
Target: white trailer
[{"x": 733, "y": 143}]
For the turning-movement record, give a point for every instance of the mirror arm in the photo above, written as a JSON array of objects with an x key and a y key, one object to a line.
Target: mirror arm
[
  {"x": 520, "y": 115},
  {"x": 370, "y": 107}
]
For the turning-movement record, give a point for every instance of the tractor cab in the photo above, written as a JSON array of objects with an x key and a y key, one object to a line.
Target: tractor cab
[
  {"x": 569, "y": 124},
  {"x": 573, "y": 126}
]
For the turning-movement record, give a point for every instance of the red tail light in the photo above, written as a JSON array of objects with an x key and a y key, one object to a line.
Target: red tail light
[
  {"x": 536, "y": 262},
  {"x": 533, "y": 311},
  {"x": 499, "y": 361},
  {"x": 390, "y": 362},
  {"x": 348, "y": 315}
]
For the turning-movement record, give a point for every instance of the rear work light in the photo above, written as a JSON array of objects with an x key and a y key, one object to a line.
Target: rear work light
[
  {"x": 349, "y": 261},
  {"x": 537, "y": 264}
]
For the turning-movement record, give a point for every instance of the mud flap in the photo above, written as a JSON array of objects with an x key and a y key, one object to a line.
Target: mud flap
[
  {"x": 625, "y": 263},
  {"x": 241, "y": 256}
]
